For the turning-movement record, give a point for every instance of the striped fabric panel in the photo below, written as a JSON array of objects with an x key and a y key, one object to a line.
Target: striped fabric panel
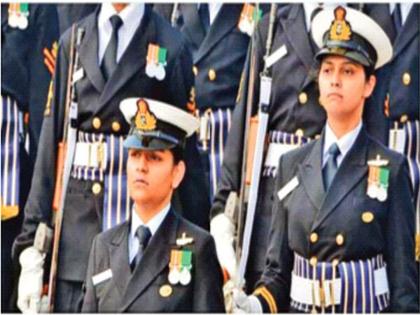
[
  {"x": 84, "y": 172},
  {"x": 359, "y": 286},
  {"x": 11, "y": 124},
  {"x": 117, "y": 202},
  {"x": 412, "y": 152},
  {"x": 220, "y": 121},
  {"x": 357, "y": 283},
  {"x": 275, "y": 136}
]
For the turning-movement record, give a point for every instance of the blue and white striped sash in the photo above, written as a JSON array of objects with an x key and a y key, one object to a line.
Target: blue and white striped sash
[
  {"x": 11, "y": 128},
  {"x": 360, "y": 291},
  {"x": 288, "y": 141},
  {"x": 219, "y": 126},
  {"x": 409, "y": 145},
  {"x": 116, "y": 202},
  {"x": 412, "y": 152}
]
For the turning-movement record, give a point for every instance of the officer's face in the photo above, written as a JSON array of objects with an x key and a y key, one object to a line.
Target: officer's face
[
  {"x": 152, "y": 176},
  {"x": 343, "y": 87}
]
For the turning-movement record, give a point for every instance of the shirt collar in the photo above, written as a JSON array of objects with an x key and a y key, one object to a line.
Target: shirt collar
[
  {"x": 131, "y": 15},
  {"x": 405, "y": 10},
  {"x": 344, "y": 143},
  {"x": 153, "y": 223},
  {"x": 214, "y": 8}
]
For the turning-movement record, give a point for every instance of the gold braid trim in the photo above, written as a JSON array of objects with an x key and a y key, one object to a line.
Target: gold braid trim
[{"x": 263, "y": 291}]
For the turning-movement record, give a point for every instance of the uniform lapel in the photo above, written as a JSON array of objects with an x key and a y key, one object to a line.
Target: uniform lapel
[
  {"x": 155, "y": 259},
  {"x": 311, "y": 175},
  {"x": 88, "y": 53},
  {"x": 409, "y": 30},
  {"x": 133, "y": 59},
  {"x": 193, "y": 28},
  {"x": 293, "y": 26},
  {"x": 118, "y": 253},
  {"x": 352, "y": 169},
  {"x": 226, "y": 20}
]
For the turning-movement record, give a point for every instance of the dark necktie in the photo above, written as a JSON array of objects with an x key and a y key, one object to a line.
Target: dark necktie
[
  {"x": 109, "y": 63},
  {"x": 204, "y": 13},
  {"x": 330, "y": 169},
  {"x": 396, "y": 17},
  {"x": 143, "y": 234}
]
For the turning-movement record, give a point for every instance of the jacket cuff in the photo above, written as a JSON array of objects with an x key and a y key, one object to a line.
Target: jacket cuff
[{"x": 266, "y": 299}]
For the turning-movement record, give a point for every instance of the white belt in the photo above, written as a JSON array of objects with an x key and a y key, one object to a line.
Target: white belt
[
  {"x": 91, "y": 155},
  {"x": 275, "y": 150},
  {"x": 308, "y": 291}
]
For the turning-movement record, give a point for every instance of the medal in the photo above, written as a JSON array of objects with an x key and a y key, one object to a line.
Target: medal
[
  {"x": 250, "y": 15},
  {"x": 378, "y": 179},
  {"x": 180, "y": 264},
  {"x": 186, "y": 265},
  {"x": 185, "y": 277},
  {"x": 173, "y": 276},
  {"x": 18, "y": 15},
  {"x": 383, "y": 184},
  {"x": 156, "y": 62},
  {"x": 174, "y": 267}
]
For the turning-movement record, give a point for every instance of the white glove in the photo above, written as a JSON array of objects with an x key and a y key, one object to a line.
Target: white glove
[
  {"x": 30, "y": 280},
  {"x": 223, "y": 231},
  {"x": 243, "y": 303}
]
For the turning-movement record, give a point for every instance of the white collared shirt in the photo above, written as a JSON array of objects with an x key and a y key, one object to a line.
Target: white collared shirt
[
  {"x": 405, "y": 10},
  {"x": 214, "y": 9},
  {"x": 131, "y": 17},
  {"x": 344, "y": 143},
  {"x": 153, "y": 225}
]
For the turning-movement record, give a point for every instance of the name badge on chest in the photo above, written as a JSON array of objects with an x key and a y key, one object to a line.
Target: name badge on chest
[{"x": 378, "y": 179}]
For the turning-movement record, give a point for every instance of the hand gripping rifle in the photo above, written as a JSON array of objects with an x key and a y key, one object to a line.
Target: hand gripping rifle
[
  {"x": 255, "y": 133},
  {"x": 65, "y": 155}
]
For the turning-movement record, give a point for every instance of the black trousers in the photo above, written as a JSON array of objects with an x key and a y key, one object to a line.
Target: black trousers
[{"x": 69, "y": 297}]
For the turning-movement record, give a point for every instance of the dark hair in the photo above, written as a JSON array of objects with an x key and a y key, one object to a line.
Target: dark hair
[{"x": 177, "y": 153}]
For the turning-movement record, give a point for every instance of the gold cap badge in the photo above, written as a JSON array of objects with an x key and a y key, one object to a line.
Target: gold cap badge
[
  {"x": 340, "y": 28},
  {"x": 144, "y": 120}
]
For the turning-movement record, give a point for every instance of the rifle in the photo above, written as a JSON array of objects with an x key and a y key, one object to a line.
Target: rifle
[
  {"x": 66, "y": 149},
  {"x": 253, "y": 152}
]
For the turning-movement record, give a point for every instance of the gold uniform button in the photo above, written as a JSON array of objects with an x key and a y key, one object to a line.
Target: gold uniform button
[
  {"x": 116, "y": 126},
  {"x": 367, "y": 217},
  {"x": 195, "y": 70},
  {"x": 339, "y": 239},
  {"x": 406, "y": 78},
  {"x": 313, "y": 261},
  {"x": 96, "y": 123},
  {"x": 314, "y": 237},
  {"x": 303, "y": 98},
  {"x": 165, "y": 290},
  {"x": 403, "y": 118},
  {"x": 299, "y": 133},
  {"x": 212, "y": 75},
  {"x": 96, "y": 188}
]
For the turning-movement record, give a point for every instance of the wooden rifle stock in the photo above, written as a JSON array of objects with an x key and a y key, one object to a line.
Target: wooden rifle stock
[
  {"x": 61, "y": 163},
  {"x": 252, "y": 140},
  {"x": 61, "y": 155}
]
